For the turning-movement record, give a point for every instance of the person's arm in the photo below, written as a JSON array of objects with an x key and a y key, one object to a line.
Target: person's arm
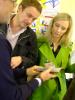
[
  {"x": 28, "y": 88},
  {"x": 43, "y": 76},
  {"x": 30, "y": 57},
  {"x": 9, "y": 89},
  {"x": 32, "y": 50}
]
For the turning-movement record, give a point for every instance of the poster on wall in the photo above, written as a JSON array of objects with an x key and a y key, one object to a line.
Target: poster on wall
[{"x": 50, "y": 9}]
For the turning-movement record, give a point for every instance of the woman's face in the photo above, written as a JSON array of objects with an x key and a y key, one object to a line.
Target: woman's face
[{"x": 59, "y": 28}]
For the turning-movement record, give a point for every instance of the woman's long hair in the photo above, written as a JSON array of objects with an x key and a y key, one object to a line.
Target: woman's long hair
[{"x": 66, "y": 37}]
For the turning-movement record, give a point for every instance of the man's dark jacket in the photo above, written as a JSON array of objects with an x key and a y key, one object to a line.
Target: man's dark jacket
[
  {"x": 26, "y": 47},
  {"x": 9, "y": 89}
]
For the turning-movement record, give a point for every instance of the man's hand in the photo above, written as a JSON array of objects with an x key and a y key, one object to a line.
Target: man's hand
[
  {"x": 32, "y": 71},
  {"x": 16, "y": 61}
]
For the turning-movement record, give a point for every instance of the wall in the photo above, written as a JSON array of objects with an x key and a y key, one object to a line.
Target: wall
[{"x": 69, "y": 7}]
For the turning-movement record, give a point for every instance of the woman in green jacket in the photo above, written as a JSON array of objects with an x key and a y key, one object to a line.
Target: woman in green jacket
[{"x": 56, "y": 49}]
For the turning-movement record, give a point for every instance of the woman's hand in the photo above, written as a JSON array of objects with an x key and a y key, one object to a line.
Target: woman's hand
[
  {"x": 16, "y": 61},
  {"x": 47, "y": 74}
]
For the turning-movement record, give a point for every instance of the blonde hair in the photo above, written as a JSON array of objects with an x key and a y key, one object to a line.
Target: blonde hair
[{"x": 65, "y": 38}]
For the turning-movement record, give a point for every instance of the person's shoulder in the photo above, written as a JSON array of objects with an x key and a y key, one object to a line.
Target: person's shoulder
[
  {"x": 31, "y": 32},
  {"x": 42, "y": 40},
  {"x": 3, "y": 28},
  {"x": 29, "y": 29}
]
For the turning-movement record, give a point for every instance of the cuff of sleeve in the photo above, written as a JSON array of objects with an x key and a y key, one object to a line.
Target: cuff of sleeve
[{"x": 39, "y": 81}]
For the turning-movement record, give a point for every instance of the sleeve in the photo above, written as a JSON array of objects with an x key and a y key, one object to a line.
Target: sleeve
[
  {"x": 32, "y": 51},
  {"x": 28, "y": 88},
  {"x": 29, "y": 57}
]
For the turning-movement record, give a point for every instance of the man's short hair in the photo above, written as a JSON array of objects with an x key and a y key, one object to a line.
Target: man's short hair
[{"x": 33, "y": 3}]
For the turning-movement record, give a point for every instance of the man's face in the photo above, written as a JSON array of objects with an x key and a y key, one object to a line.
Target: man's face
[
  {"x": 26, "y": 16},
  {"x": 59, "y": 28},
  {"x": 6, "y": 7}
]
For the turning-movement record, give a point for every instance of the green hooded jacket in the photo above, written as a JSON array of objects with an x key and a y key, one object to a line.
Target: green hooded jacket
[{"x": 53, "y": 89}]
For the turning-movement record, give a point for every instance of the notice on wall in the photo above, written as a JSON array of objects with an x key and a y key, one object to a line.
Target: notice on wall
[{"x": 50, "y": 9}]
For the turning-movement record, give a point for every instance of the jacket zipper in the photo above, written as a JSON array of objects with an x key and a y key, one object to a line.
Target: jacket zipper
[{"x": 23, "y": 38}]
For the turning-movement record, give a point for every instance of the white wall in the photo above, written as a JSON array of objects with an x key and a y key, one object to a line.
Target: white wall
[{"x": 69, "y": 7}]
